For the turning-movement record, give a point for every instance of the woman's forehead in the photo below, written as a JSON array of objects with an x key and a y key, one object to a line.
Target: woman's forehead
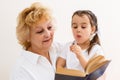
[{"x": 42, "y": 23}]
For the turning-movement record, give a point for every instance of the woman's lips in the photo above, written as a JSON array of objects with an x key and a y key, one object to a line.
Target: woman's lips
[{"x": 47, "y": 40}]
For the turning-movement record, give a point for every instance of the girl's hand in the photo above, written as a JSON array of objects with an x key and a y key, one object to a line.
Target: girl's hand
[
  {"x": 78, "y": 51},
  {"x": 75, "y": 49}
]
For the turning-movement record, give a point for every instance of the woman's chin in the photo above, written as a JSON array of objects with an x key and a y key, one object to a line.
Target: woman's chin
[{"x": 48, "y": 43}]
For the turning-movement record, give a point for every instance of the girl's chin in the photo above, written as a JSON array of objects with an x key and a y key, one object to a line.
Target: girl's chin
[{"x": 79, "y": 42}]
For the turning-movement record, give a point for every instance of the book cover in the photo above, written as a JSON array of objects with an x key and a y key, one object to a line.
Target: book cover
[{"x": 94, "y": 69}]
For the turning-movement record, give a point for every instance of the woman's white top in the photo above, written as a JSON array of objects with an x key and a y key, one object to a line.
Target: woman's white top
[
  {"x": 71, "y": 60},
  {"x": 32, "y": 66}
]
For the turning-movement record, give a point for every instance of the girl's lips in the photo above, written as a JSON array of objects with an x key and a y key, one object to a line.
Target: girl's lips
[{"x": 78, "y": 36}]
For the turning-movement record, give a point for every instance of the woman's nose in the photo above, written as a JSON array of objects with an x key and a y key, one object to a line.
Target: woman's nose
[{"x": 47, "y": 33}]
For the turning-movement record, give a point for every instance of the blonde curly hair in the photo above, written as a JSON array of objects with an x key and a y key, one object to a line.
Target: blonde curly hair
[{"x": 30, "y": 17}]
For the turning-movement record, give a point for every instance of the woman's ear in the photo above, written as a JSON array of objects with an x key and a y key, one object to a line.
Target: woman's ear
[{"x": 28, "y": 38}]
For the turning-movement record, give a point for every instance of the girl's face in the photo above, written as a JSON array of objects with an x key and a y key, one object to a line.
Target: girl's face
[
  {"x": 82, "y": 29},
  {"x": 41, "y": 36}
]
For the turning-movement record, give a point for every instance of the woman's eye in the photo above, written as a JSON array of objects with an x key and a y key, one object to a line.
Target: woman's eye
[
  {"x": 50, "y": 27},
  {"x": 40, "y": 31}
]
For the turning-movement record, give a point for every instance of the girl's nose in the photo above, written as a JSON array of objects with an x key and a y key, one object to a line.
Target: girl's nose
[{"x": 78, "y": 29}]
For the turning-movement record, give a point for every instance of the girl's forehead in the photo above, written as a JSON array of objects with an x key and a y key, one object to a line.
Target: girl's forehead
[
  {"x": 83, "y": 18},
  {"x": 80, "y": 16}
]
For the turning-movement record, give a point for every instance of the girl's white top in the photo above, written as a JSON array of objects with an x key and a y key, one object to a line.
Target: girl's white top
[{"x": 71, "y": 60}]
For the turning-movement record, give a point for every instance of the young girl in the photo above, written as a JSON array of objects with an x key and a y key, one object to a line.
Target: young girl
[{"x": 76, "y": 54}]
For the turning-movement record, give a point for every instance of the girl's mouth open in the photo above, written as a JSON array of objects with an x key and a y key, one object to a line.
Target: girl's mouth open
[{"x": 78, "y": 36}]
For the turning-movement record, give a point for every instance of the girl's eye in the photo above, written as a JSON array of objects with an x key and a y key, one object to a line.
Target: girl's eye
[
  {"x": 83, "y": 27},
  {"x": 75, "y": 27}
]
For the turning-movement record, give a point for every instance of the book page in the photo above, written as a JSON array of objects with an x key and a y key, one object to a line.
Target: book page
[
  {"x": 96, "y": 66},
  {"x": 94, "y": 61},
  {"x": 70, "y": 72}
]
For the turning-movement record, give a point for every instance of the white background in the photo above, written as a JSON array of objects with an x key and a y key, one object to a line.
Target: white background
[{"x": 107, "y": 12}]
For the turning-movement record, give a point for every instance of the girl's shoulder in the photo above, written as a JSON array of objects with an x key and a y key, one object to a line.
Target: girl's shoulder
[{"x": 96, "y": 49}]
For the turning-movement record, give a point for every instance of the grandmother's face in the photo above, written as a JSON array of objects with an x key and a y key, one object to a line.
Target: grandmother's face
[{"x": 41, "y": 35}]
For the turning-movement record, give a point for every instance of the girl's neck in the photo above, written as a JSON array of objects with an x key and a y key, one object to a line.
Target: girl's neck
[{"x": 84, "y": 45}]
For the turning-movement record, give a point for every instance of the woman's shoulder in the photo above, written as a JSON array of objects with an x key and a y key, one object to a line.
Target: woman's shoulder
[
  {"x": 56, "y": 47},
  {"x": 67, "y": 44},
  {"x": 59, "y": 44}
]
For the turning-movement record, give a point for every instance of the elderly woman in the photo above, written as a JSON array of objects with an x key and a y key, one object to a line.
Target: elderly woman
[{"x": 35, "y": 32}]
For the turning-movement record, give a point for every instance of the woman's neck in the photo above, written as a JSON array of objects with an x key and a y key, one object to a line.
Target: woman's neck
[{"x": 41, "y": 52}]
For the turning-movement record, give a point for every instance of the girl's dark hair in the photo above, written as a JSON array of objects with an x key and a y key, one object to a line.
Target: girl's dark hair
[{"x": 93, "y": 22}]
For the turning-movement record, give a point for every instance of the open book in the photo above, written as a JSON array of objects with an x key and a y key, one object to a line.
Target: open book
[{"x": 95, "y": 68}]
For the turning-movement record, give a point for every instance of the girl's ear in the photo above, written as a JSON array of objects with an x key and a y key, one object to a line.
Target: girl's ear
[{"x": 93, "y": 29}]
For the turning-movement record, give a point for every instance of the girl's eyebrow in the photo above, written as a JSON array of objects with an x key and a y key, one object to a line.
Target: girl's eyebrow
[
  {"x": 73, "y": 23},
  {"x": 83, "y": 23}
]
